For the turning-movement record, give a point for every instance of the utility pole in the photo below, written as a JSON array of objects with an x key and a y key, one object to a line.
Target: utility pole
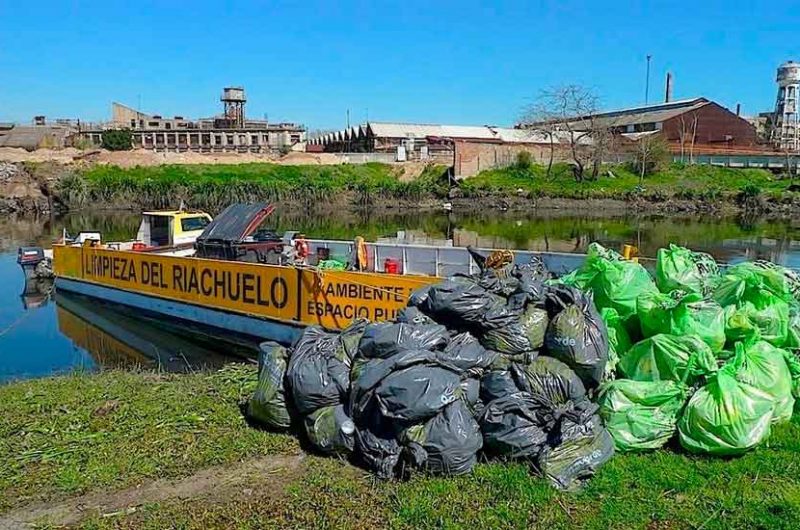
[{"x": 647, "y": 80}]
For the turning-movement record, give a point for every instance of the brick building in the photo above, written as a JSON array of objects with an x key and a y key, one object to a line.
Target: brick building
[
  {"x": 469, "y": 149},
  {"x": 699, "y": 121}
]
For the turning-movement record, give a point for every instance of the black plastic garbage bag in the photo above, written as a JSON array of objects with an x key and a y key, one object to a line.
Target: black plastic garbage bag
[
  {"x": 512, "y": 427},
  {"x": 417, "y": 393},
  {"x": 459, "y": 302},
  {"x": 497, "y": 383},
  {"x": 575, "y": 450},
  {"x": 315, "y": 376},
  {"x": 465, "y": 353},
  {"x": 577, "y": 334},
  {"x": 349, "y": 339},
  {"x": 331, "y": 430},
  {"x": 372, "y": 372},
  {"x": 513, "y": 332},
  {"x": 384, "y": 339},
  {"x": 550, "y": 378},
  {"x": 412, "y": 315},
  {"x": 268, "y": 403},
  {"x": 471, "y": 391},
  {"x": 378, "y": 452},
  {"x": 531, "y": 285},
  {"x": 419, "y": 297},
  {"x": 449, "y": 441}
]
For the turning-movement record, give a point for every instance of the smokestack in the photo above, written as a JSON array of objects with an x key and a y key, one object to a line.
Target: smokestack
[
  {"x": 668, "y": 94},
  {"x": 738, "y": 109}
]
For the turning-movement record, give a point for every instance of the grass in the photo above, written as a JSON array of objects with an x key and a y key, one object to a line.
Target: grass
[
  {"x": 60, "y": 437},
  {"x": 690, "y": 182},
  {"x": 66, "y": 435},
  {"x": 213, "y": 187}
]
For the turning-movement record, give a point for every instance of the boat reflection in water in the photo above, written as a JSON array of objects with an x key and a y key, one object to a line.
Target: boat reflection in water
[{"x": 117, "y": 339}]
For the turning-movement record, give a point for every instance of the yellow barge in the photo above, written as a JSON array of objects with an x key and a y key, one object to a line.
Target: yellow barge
[{"x": 253, "y": 291}]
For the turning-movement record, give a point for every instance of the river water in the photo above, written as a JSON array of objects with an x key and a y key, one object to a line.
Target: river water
[{"x": 44, "y": 333}]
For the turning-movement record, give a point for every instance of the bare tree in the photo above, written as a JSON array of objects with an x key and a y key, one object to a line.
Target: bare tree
[
  {"x": 570, "y": 112},
  {"x": 546, "y": 125},
  {"x": 651, "y": 153}
]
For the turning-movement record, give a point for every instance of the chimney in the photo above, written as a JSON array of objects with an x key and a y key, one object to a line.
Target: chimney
[
  {"x": 738, "y": 109},
  {"x": 668, "y": 95}
]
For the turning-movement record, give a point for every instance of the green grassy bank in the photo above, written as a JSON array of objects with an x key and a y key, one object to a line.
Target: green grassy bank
[
  {"x": 682, "y": 182},
  {"x": 213, "y": 187},
  {"x": 63, "y": 436}
]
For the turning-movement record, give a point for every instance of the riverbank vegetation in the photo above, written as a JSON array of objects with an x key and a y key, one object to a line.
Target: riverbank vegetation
[
  {"x": 674, "y": 182},
  {"x": 213, "y": 187},
  {"x": 64, "y": 436}
]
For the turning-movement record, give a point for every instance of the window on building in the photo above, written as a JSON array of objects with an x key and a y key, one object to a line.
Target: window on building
[
  {"x": 229, "y": 139},
  {"x": 168, "y": 125},
  {"x": 152, "y": 124},
  {"x": 193, "y": 223},
  {"x": 254, "y": 139},
  {"x": 133, "y": 124}
]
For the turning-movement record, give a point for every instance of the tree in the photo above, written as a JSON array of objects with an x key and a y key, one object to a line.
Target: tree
[
  {"x": 651, "y": 154},
  {"x": 117, "y": 139},
  {"x": 570, "y": 112}
]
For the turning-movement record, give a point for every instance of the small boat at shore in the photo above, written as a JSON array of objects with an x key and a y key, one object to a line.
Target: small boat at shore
[{"x": 242, "y": 279}]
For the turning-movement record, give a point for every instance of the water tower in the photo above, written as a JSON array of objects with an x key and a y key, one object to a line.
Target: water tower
[
  {"x": 785, "y": 124},
  {"x": 233, "y": 101}
]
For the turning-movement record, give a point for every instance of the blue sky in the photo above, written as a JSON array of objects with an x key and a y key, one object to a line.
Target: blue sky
[{"x": 457, "y": 62}]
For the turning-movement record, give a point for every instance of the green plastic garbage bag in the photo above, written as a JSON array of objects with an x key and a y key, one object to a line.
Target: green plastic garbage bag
[
  {"x": 668, "y": 357},
  {"x": 618, "y": 284},
  {"x": 744, "y": 281},
  {"x": 726, "y": 416},
  {"x": 641, "y": 414},
  {"x": 682, "y": 315},
  {"x": 619, "y": 341},
  {"x": 268, "y": 404},
  {"x": 583, "y": 276},
  {"x": 767, "y": 318},
  {"x": 764, "y": 366},
  {"x": 680, "y": 268},
  {"x": 793, "y": 328}
]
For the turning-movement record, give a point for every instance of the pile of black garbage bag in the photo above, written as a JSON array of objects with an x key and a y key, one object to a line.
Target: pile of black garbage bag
[{"x": 497, "y": 364}]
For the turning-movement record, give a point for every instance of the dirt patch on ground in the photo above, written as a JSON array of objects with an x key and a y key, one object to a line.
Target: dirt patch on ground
[{"x": 216, "y": 484}]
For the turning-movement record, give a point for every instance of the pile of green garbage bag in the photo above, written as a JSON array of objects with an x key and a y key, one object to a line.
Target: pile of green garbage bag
[{"x": 702, "y": 352}]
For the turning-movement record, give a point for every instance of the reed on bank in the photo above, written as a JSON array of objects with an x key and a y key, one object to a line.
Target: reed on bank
[{"x": 212, "y": 187}]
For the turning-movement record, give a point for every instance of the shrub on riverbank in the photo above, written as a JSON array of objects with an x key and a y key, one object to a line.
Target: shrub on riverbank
[{"x": 213, "y": 187}]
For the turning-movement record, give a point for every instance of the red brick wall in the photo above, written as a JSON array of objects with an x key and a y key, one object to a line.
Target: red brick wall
[
  {"x": 472, "y": 157},
  {"x": 714, "y": 123}
]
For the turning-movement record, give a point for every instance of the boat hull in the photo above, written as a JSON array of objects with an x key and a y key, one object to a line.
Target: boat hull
[{"x": 262, "y": 301}]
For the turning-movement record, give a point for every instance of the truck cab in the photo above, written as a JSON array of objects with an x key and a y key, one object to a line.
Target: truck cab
[{"x": 171, "y": 228}]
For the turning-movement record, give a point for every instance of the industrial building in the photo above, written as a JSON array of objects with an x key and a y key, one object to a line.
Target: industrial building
[
  {"x": 698, "y": 121},
  {"x": 469, "y": 149},
  {"x": 37, "y": 135},
  {"x": 231, "y": 131}
]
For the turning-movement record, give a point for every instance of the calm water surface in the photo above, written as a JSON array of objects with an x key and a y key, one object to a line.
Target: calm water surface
[{"x": 42, "y": 334}]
